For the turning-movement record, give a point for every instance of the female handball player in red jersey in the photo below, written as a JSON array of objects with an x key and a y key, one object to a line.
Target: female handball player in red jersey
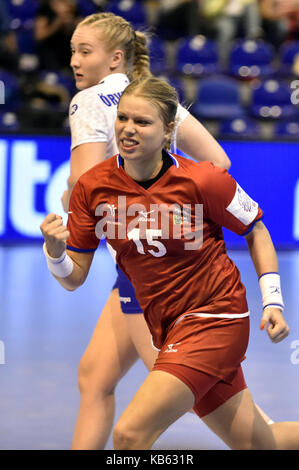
[
  {"x": 163, "y": 217},
  {"x": 106, "y": 52}
]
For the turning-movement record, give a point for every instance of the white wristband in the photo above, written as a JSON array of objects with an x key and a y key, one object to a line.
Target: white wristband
[
  {"x": 60, "y": 267},
  {"x": 271, "y": 290}
]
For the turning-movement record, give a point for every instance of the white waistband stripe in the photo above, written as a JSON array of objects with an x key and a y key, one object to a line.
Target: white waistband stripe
[{"x": 213, "y": 315}]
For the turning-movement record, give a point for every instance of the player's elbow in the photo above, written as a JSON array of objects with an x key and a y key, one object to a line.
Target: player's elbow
[
  {"x": 70, "y": 288},
  {"x": 75, "y": 284},
  {"x": 258, "y": 229},
  {"x": 224, "y": 162},
  {"x": 67, "y": 285},
  {"x": 71, "y": 283},
  {"x": 71, "y": 181},
  {"x": 227, "y": 163}
]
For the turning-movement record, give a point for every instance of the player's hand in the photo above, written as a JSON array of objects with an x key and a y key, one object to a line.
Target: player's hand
[
  {"x": 275, "y": 324},
  {"x": 55, "y": 234}
]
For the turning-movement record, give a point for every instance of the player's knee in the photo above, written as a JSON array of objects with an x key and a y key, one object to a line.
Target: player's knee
[
  {"x": 124, "y": 438},
  {"x": 91, "y": 382},
  {"x": 254, "y": 443},
  {"x": 242, "y": 444}
]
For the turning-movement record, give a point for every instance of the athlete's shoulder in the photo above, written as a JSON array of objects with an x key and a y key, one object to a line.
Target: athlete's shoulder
[
  {"x": 102, "y": 96},
  {"x": 85, "y": 94},
  {"x": 207, "y": 177},
  {"x": 196, "y": 169},
  {"x": 112, "y": 81},
  {"x": 111, "y": 88},
  {"x": 84, "y": 100},
  {"x": 101, "y": 172}
]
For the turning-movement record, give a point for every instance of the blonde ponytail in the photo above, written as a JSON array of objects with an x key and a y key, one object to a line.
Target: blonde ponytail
[{"x": 141, "y": 65}]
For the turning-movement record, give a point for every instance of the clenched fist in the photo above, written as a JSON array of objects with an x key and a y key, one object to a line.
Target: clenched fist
[
  {"x": 55, "y": 234},
  {"x": 275, "y": 323}
]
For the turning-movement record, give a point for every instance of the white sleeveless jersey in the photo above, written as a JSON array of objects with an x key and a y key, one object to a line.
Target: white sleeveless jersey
[{"x": 93, "y": 111}]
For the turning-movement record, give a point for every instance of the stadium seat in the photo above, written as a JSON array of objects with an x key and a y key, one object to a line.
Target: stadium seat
[
  {"x": 23, "y": 14},
  {"x": 288, "y": 128},
  {"x": 272, "y": 100},
  {"x": 23, "y": 9},
  {"x": 87, "y": 7},
  {"x": 9, "y": 122},
  {"x": 179, "y": 86},
  {"x": 25, "y": 38},
  {"x": 250, "y": 59},
  {"x": 289, "y": 55},
  {"x": 218, "y": 98},
  {"x": 54, "y": 78},
  {"x": 176, "y": 83},
  {"x": 132, "y": 10},
  {"x": 158, "y": 55},
  {"x": 240, "y": 127},
  {"x": 197, "y": 56}
]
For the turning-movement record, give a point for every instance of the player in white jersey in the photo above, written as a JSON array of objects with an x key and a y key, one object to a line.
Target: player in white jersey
[
  {"x": 93, "y": 110},
  {"x": 106, "y": 53}
]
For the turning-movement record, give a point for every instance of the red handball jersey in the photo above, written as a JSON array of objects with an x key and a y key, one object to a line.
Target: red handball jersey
[{"x": 168, "y": 239}]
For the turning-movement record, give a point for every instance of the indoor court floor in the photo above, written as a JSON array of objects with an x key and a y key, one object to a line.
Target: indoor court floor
[{"x": 44, "y": 330}]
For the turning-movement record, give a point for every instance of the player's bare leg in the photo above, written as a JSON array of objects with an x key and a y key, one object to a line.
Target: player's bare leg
[
  {"x": 108, "y": 357},
  {"x": 264, "y": 415},
  {"x": 286, "y": 435},
  {"x": 141, "y": 338},
  {"x": 150, "y": 413},
  {"x": 239, "y": 423}
]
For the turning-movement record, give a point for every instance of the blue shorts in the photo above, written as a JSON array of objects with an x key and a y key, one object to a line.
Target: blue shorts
[{"x": 128, "y": 301}]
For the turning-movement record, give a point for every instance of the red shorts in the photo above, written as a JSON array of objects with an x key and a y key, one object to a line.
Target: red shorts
[
  {"x": 209, "y": 392},
  {"x": 206, "y": 353}
]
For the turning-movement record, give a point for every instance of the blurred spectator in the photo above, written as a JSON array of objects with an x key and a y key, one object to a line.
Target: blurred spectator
[
  {"x": 8, "y": 41},
  {"x": 54, "y": 25},
  {"x": 280, "y": 20},
  {"x": 225, "y": 20},
  {"x": 45, "y": 102},
  {"x": 177, "y": 18}
]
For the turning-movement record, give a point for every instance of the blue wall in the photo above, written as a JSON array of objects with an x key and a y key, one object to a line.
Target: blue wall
[
  {"x": 269, "y": 172},
  {"x": 33, "y": 173}
]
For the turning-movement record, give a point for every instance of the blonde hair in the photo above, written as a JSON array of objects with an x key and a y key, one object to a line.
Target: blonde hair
[
  {"x": 116, "y": 32},
  {"x": 160, "y": 94}
]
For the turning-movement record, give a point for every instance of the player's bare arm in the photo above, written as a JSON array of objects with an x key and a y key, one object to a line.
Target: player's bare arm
[
  {"x": 198, "y": 143},
  {"x": 264, "y": 259},
  {"x": 83, "y": 158}
]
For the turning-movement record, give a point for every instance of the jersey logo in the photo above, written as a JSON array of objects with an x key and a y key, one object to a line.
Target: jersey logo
[
  {"x": 74, "y": 109},
  {"x": 125, "y": 299},
  {"x": 170, "y": 348},
  {"x": 111, "y": 208},
  {"x": 274, "y": 290},
  {"x": 144, "y": 217}
]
